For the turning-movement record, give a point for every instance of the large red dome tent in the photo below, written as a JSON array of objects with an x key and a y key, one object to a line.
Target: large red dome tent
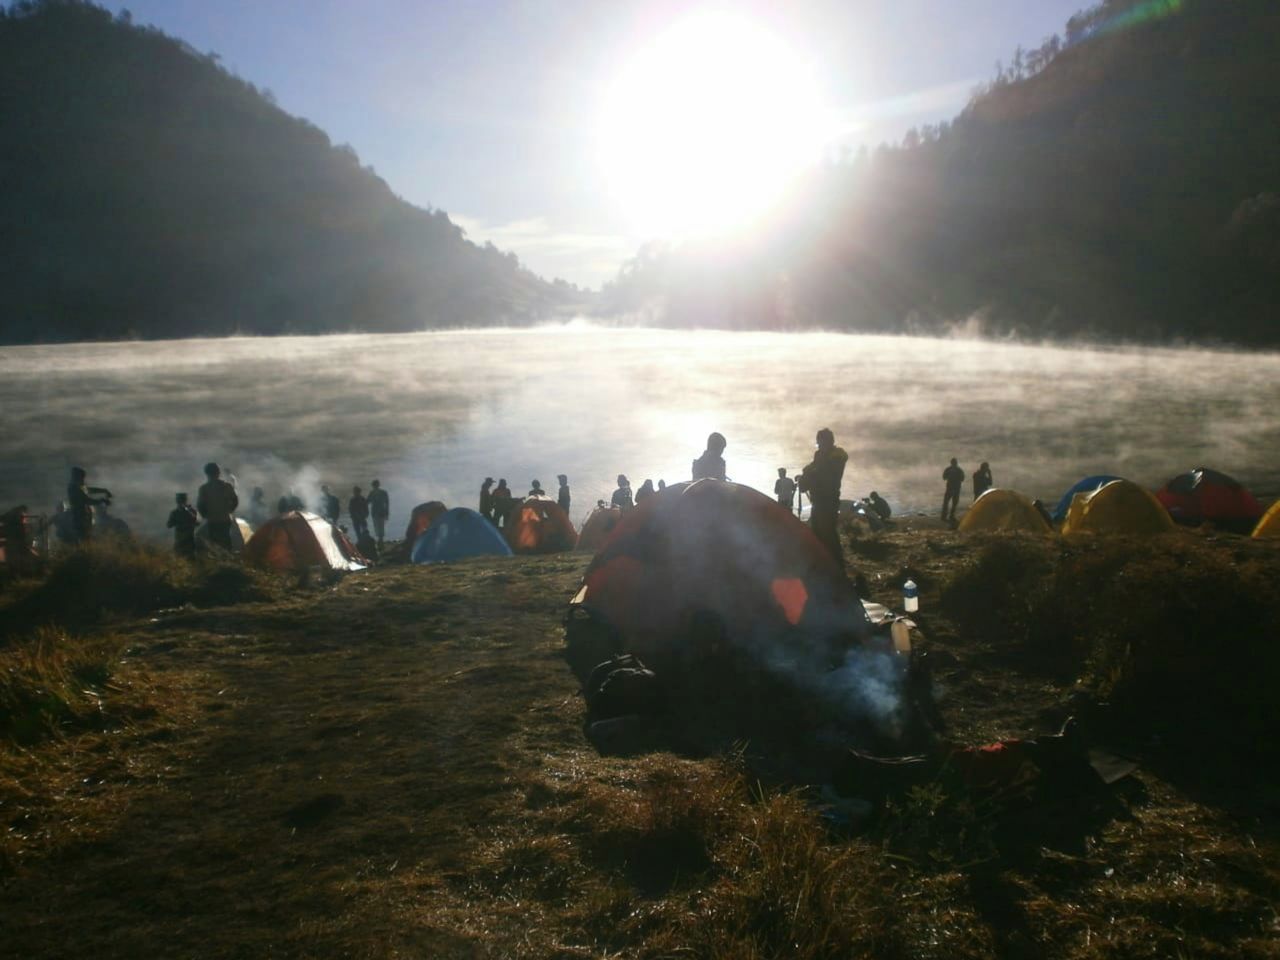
[
  {"x": 721, "y": 553},
  {"x": 1202, "y": 495}
]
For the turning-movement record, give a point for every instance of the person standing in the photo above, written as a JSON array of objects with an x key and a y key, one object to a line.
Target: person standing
[
  {"x": 502, "y": 501},
  {"x": 785, "y": 490},
  {"x": 535, "y": 489},
  {"x": 379, "y": 509},
  {"x": 562, "y": 498},
  {"x": 80, "y": 503},
  {"x": 259, "y": 513},
  {"x": 486, "y": 499},
  {"x": 622, "y": 496},
  {"x": 330, "y": 506},
  {"x": 358, "y": 510},
  {"x": 880, "y": 506},
  {"x": 183, "y": 522},
  {"x": 821, "y": 481},
  {"x": 953, "y": 477},
  {"x": 645, "y": 492},
  {"x": 217, "y": 502},
  {"x": 981, "y": 480},
  {"x": 710, "y": 466}
]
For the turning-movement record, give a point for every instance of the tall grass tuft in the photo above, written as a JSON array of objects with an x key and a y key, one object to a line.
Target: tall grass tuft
[{"x": 52, "y": 682}]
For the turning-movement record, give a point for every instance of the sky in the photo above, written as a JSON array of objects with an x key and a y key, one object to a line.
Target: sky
[{"x": 496, "y": 110}]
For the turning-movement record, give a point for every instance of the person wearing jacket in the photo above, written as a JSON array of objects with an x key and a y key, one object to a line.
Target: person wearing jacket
[
  {"x": 217, "y": 502},
  {"x": 821, "y": 481}
]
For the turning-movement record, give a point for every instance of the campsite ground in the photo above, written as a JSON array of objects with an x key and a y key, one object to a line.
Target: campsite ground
[{"x": 393, "y": 764}]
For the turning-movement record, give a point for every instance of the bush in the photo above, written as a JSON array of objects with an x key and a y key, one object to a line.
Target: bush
[
  {"x": 1177, "y": 632},
  {"x": 126, "y": 578}
]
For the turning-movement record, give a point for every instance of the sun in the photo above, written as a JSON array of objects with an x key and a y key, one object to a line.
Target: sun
[{"x": 704, "y": 129}]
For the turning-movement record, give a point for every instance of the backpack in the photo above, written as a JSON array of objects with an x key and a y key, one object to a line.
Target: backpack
[{"x": 621, "y": 686}]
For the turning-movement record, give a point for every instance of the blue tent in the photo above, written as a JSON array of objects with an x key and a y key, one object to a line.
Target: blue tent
[
  {"x": 457, "y": 534},
  {"x": 1087, "y": 485}
]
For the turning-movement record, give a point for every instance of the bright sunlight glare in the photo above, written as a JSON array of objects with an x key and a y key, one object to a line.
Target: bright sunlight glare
[{"x": 705, "y": 128}]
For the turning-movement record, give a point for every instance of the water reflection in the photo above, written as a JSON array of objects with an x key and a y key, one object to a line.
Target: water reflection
[{"x": 433, "y": 414}]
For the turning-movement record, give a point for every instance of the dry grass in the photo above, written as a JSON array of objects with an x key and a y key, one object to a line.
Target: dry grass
[{"x": 393, "y": 765}]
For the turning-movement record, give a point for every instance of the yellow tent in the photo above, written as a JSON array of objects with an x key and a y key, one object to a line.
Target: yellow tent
[
  {"x": 1117, "y": 507},
  {"x": 1269, "y": 525},
  {"x": 1003, "y": 511}
]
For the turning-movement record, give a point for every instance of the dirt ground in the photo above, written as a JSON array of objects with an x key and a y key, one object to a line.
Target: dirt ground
[{"x": 394, "y": 765}]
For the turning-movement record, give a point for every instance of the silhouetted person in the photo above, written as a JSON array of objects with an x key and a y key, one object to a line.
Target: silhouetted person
[
  {"x": 562, "y": 497},
  {"x": 183, "y": 522},
  {"x": 217, "y": 502},
  {"x": 379, "y": 509},
  {"x": 80, "y": 503},
  {"x": 486, "y": 498},
  {"x": 358, "y": 510},
  {"x": 16, "y": 529},
  {"x": 622, "y": 496},
  {"x": 330, "y": 506},
  {"x": 258, "y": 511},
  {"x": 953, "y": 476},
  {"x": 645, "y": 492},
  {"x": 535, "y": 489},
  {"x": 711, "y": 464},
  {"x": 784, "y": 488},
  {"x": 282, "y": 505},
  {"x": 502, "y": 501},
  {"x": 662, "y": 485},
  {"x": 879, "y": 505},
  {"x": 981, "y": 480},
  {"x": 821, "y": 481}
]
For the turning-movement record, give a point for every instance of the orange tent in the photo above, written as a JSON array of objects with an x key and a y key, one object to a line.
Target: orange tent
[
  {"x": 538, "y": 525},
  {"x": 297, "y": 540},
  {"x": 421, "y": 518},
  {"x": 712, "y": 560},
  {"x": 599, "y": 525}
]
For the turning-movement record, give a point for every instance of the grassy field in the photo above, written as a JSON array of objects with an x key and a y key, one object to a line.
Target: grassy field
[{"x": 207, "y": 762}]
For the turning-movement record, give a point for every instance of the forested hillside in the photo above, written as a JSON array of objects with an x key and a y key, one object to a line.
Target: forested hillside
[
  {"x": 147, "y": 192},
  {"x": 1120, "y": 181}
]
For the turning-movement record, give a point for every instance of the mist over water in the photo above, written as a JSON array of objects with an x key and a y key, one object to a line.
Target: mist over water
[{"x": 433, "y": 414}]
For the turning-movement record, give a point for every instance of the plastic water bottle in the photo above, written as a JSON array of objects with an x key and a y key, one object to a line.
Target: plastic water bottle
[{"x": 910, "y": 597}]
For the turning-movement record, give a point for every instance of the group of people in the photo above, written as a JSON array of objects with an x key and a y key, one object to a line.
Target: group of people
[
  {"x": 496, "y": 502},
  {"x": 217, "y": 502},
  {"x": 217, "y": 499},
  {"x": 953, "y": 478},
  {"x": 820, "y": 480}
]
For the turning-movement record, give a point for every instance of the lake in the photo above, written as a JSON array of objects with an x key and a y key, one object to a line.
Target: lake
[{"x": 432, "y": 414}]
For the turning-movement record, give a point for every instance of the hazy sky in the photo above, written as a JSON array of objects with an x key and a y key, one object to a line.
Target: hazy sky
[{"x": 492, "y": 110}]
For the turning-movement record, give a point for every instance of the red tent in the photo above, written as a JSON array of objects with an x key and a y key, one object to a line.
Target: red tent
[
  {"x": 538, "y": 525},
  {"x": 1201, "y": 495},
  {"x": 421, "y": 518},
  {"x": 711, "y": 562},
  {"x": 297, "y": 540},
  {"x": 598, "y": 526}
]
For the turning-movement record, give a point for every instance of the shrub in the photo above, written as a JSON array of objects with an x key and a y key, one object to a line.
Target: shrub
[
  {"x": 126, "y": 578},
  {"x": 1177, "y": 632}
]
